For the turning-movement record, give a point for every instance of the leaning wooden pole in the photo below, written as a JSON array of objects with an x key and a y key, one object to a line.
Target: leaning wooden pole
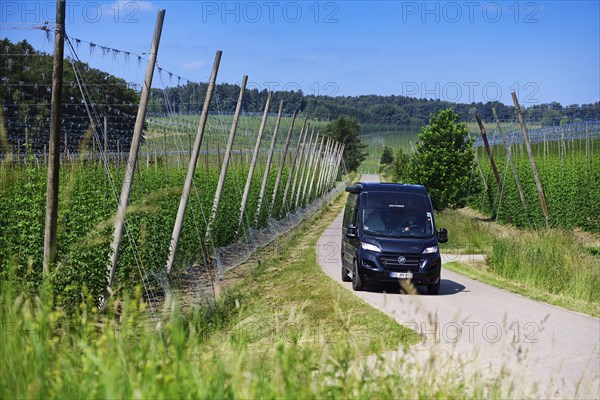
[
  {"x": 315, "y": 170},
  {"x": 261, "y": 131},
  {"x": 54, "y": 145},
  {"x": 309, "y": 168},
  {"x": 299, "y": 157},
  {"x": 281, "y": 166},
  {"x": 334, "y": 155},
  {"x": 336, "y": 166},
  {"x": 483, "y": 179},
  {"x": 189, "y": 179},
  {"x": 263, "y": 185},
  {"x": 303, "y": 167},
  {"x": 490, "y": 156},
  {"x": 293, "y": 167},
  {"x": 510, "y": 159},
  {"x": 226, "y": 158},
  {"x": 133, "y": 155},
  {"x": 536, "y": 176},
  {"x": 323, "y": 166}
]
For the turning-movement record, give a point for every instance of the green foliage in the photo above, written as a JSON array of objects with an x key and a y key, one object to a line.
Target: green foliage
[
  {"x": 387, "y": 157},
  {"x": 87, "y": 206},
  {"x": 401, "y": 166},
  {"x": 443, "y": 161},
  {"x": 571, "y": 186},
  {"x": 346, "y": 130}
]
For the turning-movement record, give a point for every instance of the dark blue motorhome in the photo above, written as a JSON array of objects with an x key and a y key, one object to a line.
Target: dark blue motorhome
[{"x": 389, "y": 234}]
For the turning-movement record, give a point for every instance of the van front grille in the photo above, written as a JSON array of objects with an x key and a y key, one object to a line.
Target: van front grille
[{"x": 391, "y": 262}]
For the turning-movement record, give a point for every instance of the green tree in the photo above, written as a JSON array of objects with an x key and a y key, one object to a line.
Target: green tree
[
  {"x": 443, "y": 160},
  {"x": 346, "y": 130},
  {"x": 401, "y": 166},
  {"x": 387, "y": 157}
]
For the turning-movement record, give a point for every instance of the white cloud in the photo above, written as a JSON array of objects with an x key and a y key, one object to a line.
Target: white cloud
[{"x": 193, "y": 65}]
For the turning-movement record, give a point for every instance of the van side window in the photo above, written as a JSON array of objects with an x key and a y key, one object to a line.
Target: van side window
[
  {"x": 355, "y": 213},
  {"x": 349, "y": 208}
]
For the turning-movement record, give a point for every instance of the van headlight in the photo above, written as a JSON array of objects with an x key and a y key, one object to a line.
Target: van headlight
[
  {"x": 370, "y": 247},
  {"x": 429, "y": 250}
]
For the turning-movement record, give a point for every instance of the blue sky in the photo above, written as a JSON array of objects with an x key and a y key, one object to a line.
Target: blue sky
[{"x": 457, "y": 50}]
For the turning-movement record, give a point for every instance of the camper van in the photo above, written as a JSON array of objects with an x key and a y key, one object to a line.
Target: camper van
[{"x": 389, "y": 234}]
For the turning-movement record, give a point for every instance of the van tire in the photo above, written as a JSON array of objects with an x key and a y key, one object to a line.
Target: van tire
[
  {"x": 345, "y": 276},
  {"x": 435, "y": 288},
  {"x": 357, "y": 282}
]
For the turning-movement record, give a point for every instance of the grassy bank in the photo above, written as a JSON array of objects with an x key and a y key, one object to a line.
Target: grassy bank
[{"x": 552, "y": 265}]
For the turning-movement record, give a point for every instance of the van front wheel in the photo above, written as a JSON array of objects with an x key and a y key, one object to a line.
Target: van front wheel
[
  {"x": 345, "y": 276},
  {"x": 434, "y": 289},
  {"x": 357, "y": 282}
]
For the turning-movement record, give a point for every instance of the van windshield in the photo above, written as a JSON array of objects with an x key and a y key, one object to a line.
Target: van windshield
[{"x": 397, "y": 215}]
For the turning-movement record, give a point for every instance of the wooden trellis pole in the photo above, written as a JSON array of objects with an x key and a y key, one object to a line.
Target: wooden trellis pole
[
  {"x": 226, "y": 158},
  {"x": 490, "y": 156},
  {"x": 315, "y": 169},
  {"x": 299, "y": 156},
  {"x": 309, "y": 168},
  {"x": 263, "y": 185},
  {"x": 282, "y": 165},
  {"x": 133, "y": 157},
  {"x": 307, "y": 153},
  {"x": 303, "y": 131},
  {"x": 261, "y": 131},
  {"x": 54, "y": 145},
  {"x": 510, "y": 159},
  {"x": 536, "y": 176},
  {"x": 189, "y": 178}
]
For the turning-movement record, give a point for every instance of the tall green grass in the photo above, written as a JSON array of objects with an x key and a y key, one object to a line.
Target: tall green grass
[
  {"x": 548, "y": 260},
  {"x": 46, "y": 353}
]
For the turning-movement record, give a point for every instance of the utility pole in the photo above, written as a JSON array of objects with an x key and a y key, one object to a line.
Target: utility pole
[{"x": 54, "y": 145}]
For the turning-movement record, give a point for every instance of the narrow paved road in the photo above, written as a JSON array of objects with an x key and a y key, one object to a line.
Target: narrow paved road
[{"x": 547, "y": 351}]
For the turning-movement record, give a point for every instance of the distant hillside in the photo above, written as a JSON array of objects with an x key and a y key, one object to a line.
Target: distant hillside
[
  {"x": 368, "y": 109},
  {"x": 25, "y": 92}
]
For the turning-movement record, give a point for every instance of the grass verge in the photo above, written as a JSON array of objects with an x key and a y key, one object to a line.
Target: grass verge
[{"x": 550, "y": 265}]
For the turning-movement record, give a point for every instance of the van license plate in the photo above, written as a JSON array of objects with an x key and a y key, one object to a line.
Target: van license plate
[{"x": 401, "y": 275}]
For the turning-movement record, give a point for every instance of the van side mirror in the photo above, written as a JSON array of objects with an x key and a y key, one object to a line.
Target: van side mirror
[
  {"x": 351, "y": 231},
  {"x": 443, "y": 235}
]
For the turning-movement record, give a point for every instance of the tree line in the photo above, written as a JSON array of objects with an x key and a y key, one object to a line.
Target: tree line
[{"x": 366, "y": 109}]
